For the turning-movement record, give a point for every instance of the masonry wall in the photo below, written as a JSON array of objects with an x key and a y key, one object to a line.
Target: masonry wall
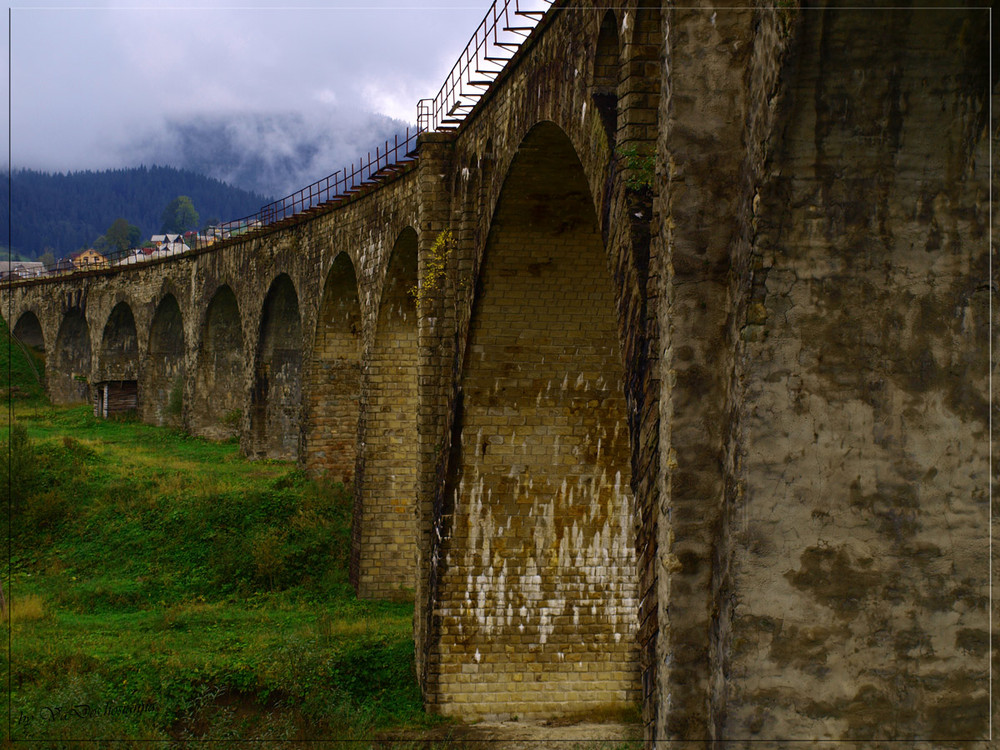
[
  {"x": 333, "y": 380},
  {"x": 276, "y": 398},
  {"x": 386, "y": 527},
  {"x": 66, "y": 379},
  {"x": 217, "y": 404},
  {"x": 537, "y": 597},
  {"x": 859, "y": 527},
  {"x": 164, "y": 381}
]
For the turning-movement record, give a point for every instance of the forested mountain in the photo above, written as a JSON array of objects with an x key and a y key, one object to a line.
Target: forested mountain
[
  {"x": 273, "y": 153},
  {"x": 66, "y": 212}
]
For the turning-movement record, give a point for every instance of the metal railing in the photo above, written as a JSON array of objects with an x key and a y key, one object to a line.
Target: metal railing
[
  {"x": 388, "y": 161},
  {"x": 504, "y": 28},
  {"x": 497, "y": 38}
]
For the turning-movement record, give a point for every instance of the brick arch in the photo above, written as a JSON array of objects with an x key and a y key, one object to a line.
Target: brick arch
[
  {"x": 333, "y": 377},
  {"x": 164, "y": 364},
  {"x": 592, "y": 152},
  {"x": 384, "y": 544},
  {"x": 218, "y": 378},
  {"x": 276, "y": 396},
  {"x": 71, "y": 360},
  {"x": 117, "y": 382},
  {"x": 539, "y": 562},
  {"x": 606, "y": 74}
]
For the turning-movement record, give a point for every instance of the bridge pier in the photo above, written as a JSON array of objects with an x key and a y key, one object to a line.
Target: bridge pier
[{"x": 693, "y": 408}]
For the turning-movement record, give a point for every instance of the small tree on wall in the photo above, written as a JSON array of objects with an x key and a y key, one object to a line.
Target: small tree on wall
[{"x": 435, "y": 267}]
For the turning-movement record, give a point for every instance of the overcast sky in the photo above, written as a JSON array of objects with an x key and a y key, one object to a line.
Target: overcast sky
[{"x": 91, "y": 80}]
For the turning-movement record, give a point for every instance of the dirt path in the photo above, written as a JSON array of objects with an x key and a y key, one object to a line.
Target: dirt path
[{"x": 523, "y": 735}]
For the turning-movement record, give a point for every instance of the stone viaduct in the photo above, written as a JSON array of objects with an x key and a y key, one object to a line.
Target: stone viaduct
[{"x": 692, "y": 407}]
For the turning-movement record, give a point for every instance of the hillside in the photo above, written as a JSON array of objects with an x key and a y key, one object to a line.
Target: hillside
[
  {"x": 66, "y": 212},
  {"x": 165, "y": 590}
]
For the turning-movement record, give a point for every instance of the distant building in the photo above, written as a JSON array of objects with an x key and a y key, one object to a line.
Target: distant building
[
  {"x": 63, "y": 265},
  {"x": 169, "y": 244},
  {"x": 88, "y": 259},
  {"x": 21, "y": 269}
]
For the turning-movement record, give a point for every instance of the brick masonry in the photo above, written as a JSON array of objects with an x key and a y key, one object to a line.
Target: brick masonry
[
  {"x": 697, "y": 415},
  {"x": 536, "y": 603}
]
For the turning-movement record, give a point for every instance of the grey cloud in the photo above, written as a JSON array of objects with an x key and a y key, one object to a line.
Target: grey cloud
[{"x": 271, "y": 153}]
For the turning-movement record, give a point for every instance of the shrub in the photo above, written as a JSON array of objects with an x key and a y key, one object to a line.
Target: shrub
[
  {"x": 268, "y": 551},
  {"x": 175, "y": 401},
  {"x": 45, "y": 510},
  {"x": 435, "y": 268},
  {"x": 18, "y": 473},
  {"x": 640, "y": 167}
]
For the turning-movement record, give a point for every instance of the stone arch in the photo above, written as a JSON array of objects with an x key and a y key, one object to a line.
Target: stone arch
[
  {"x": 162, "y": 394},
  {"x": 71, "y": 361},
  {"x": 607, "y": 69},
  {"x": 537, "y": 495},
  {"x": 276, "y": 397},
  {"x": 219, "y": 378},
  {"x": 117, "y": 386},
  {"x": 333, "y": 378},
  {"x": 28, "y": 334},
  {"x": 384, "y": 548},
  {"x": 28, "y": 330}
]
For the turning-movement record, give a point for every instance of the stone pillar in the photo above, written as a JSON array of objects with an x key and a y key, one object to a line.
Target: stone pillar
[
  {"x": 701, "y": 149},
  {"x": 436, "y": 380}
]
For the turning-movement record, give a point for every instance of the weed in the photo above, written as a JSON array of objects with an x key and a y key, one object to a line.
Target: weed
[
  {"x": 435, "y": 268},
  {"x": 268, "y": 550},
  {"x": 639, "y": 166},
  {"x": 175, "y": 401},
  {"x": 27, "y": 608},
  {"x": 18, "y": 471},
  {"x": 231, "y": 420},
  {"x": 45, "y": 511}
]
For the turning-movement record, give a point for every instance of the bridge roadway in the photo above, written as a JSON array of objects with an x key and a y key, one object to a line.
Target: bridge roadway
[{"x": 694, "y": 413}]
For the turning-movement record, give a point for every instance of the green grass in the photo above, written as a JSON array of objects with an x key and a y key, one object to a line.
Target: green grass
[
  {"x": 166, "y": 592},
  {"x": 166, "y": 575}
]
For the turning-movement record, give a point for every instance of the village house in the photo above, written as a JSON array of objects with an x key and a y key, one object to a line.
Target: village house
[
  {"x": 21, "y": 269},
  {"x": 88, "y": 258},
  {"x": 168, "y": 244}
]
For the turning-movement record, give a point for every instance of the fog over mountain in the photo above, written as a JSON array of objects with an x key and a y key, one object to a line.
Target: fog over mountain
[{"x": 269, "y": 153}]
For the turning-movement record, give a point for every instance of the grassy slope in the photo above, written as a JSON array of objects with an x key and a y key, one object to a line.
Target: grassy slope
[
  {"x": 16, "y": 371},
  {"x": 153, "y": 569}
]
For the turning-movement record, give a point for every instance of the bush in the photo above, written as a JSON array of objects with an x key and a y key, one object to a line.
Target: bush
[
  {"x": 269, "y": 556},
  {"x": 175, "y": 401},
  {"x": 17, "y": 474},
  {"x": 45, "y": 511}
]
